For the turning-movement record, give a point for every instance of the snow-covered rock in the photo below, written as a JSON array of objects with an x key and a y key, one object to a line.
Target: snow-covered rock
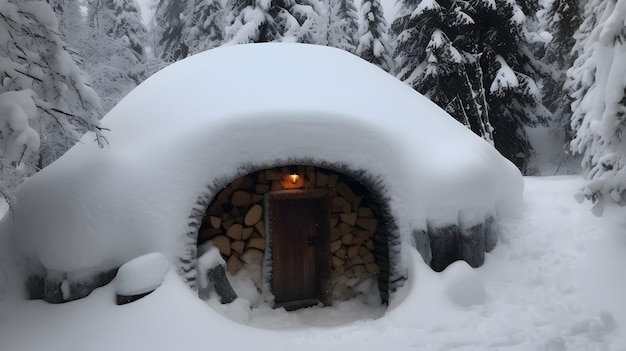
[
  {"x": 141, "y": 275},
  {"x": 198, "y": 124}
]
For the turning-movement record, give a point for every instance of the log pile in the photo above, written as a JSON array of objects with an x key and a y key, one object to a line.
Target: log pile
[
  {"x": 351, "y": 242},
  {"x": 234, "y": 223}
]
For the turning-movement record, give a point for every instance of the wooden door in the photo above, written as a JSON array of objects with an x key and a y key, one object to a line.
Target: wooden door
[{"x": 299, "y": 226}]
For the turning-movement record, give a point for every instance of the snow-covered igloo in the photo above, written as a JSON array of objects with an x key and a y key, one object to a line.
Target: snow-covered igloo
[{"x": 266, "y": 150}]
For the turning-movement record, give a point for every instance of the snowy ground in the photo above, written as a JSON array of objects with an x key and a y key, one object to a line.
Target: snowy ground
[
  {"x": 555, "y": 282},
  {"x": 554, "y": 159}
]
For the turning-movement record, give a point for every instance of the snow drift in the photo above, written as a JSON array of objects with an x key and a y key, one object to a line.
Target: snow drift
[{"x": 205, "y": 120}]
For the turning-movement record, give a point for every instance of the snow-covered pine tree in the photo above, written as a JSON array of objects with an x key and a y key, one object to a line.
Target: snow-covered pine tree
[
  {"x": 254, "y": 21},
  {"x": 300, "y": 20},
  {"x": 45, "y": 105},
  {"x": 169, "y": 23},
  {"x": 251, "y": 21},
  {"x": 339, "y": 25},
  {"x": 72, "y": 25},
  {"x": 579, "y": 77},
  {"x": 428, "y": 58},
  {"x": 115, "y": 52},
  {"x": 121, "y": 19},
  {"x": 529, "y": 7},
  {"x": 504, "y": 52},
  {"x": 488, "y": 43},
  {"x": 598, "y": 82},
  {"x": 204, "y": 30},
  {"x": 373, "y": 42},
  {"x": 562, "y": 18},
  {"x": 409, "y": 52}
]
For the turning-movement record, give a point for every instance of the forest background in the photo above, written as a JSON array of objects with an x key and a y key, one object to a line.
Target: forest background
[{"x": 503, "y": 68}]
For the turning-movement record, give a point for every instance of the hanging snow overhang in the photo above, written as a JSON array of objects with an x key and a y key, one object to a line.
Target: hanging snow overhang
[{"x": 200, "y": 123}]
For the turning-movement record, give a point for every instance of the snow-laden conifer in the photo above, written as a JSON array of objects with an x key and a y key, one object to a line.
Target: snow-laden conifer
[
  {"x": 205, "y": 25},
  {"x": 72, "y": 25},
  {"x": 45, "y": 104},
  {"x": 121, "y": 19},
  {"x": 339, "y": 24},
  {"x": 474, "y": 59},
  {"x": 504, "y": 40},
  {"x": 300, "y": 21},
  {"x": 598, "y": 82},
  {"x": 435, "y": 56},
  {"x": 561, "y": 19},
  {"x": 250, "y": 21},
  {"x": 254, "y": 21},
  {"x": 170, "y": 20},
  {"x": 373, "y": 42},
  {"x": 114, "y": 48}
]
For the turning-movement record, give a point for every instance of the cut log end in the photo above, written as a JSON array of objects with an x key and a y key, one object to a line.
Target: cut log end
[{"x": 253, "y": 216}]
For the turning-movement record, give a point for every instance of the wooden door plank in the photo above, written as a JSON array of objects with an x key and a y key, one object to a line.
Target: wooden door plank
[{"x": 300, "y": 226}]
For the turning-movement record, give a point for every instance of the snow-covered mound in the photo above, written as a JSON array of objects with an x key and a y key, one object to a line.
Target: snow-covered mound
[{"x": 214, "y": 116}]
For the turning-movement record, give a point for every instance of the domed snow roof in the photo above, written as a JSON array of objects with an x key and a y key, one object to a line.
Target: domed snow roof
[{"x": 216, "y": 115}]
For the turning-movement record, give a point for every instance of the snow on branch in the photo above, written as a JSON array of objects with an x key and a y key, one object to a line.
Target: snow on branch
[
  {"x": 505, "y": 78},
  {"x": 614, "y": 28},
  {"x": 425, "y": 5},
  {"x": 462, "y": 18},
  {"x": 18, "y": 116},
  {"x": 248, "y": 25}
]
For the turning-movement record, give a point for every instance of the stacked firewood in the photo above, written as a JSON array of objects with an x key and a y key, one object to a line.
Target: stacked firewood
[
  {"x": 353, "y": 228},
  {"x": 234, "y": 223}
]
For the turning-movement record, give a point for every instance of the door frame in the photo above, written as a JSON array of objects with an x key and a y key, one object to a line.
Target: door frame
[{"x": 322, "y": 246}]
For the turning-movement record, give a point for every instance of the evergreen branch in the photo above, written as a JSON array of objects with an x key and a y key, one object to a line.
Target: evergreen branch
[
  {"x": 22, "y": 155},
  {"x": 30, "y": 76},
  {"x": 45, "y": 110},
  {"x": 63, "y": 112}
]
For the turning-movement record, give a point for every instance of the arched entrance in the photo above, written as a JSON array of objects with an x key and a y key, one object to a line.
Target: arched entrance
[{"x": 304, "y": 234}]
